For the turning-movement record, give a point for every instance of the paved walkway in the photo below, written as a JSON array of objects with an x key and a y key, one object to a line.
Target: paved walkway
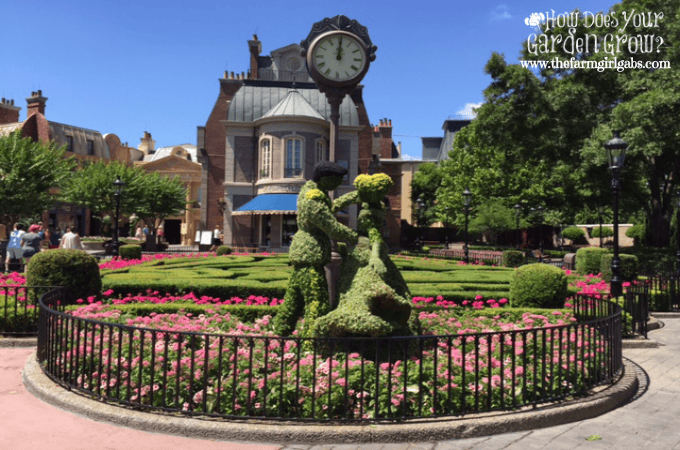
[{"x": 650, "y": 420}]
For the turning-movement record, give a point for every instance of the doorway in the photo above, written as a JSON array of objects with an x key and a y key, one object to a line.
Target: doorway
[{"x": 172, "y": 228}]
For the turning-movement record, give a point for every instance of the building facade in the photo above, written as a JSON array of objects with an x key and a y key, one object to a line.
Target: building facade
[{"x": 267, "y": 130}]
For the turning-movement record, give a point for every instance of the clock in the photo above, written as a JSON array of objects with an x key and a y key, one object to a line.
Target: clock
[{"x": 337, "y": 58}]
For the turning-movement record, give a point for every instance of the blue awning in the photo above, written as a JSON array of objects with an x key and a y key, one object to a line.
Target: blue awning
[{"x": 270, "y": 204}]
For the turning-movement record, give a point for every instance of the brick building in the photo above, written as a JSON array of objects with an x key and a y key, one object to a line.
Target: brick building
[{"x": 267, "y": 130}]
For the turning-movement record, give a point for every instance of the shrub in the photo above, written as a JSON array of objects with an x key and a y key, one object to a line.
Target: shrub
[
  {"x": 425, "y": 249},
  {"x": 513, "y": 258},
  {"x": 223, "y": 250},
  {"x": 538, "y": 286},
  {"x": 606, "y": 232},
  {"x": 637, "y": 233},
  {"x": 74, "y": 269},
  {"x": 589, "y": 260},
  {"x": 629, "y": 267},
  {"x": 574, "y": 234},
  {"x": 130, "y": 251}
]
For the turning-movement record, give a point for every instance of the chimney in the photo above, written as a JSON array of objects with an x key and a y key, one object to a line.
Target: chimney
[
  {"x": 147, "y": 145},
  {"x": 36, "y": 103},
  {"x": 8, "y": 112},
  {"x": 385, "y": 139},
  {"x": 255, "y": 47}
]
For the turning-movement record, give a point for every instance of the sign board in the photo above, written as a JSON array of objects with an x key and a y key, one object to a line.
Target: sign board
[
  {"x": 183, "y": 228},
  {"x": 206, "y": 237},
  {"x": 198, "y": 236}
]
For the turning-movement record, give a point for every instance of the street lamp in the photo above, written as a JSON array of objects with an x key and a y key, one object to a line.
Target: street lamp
[
  {"x": 616, "y": 153},
  {"x": 540, "y": 233},
  {"x": 467, "y": 198},
  {"x": 446, "y": 220},
  {"x": 518, "y": 211},
  {"x": 117, "y": 193},
  {"x": 600, "y": 210},
  {"x": 677, "y": 211},
  {"x": 421, "y": 219}
]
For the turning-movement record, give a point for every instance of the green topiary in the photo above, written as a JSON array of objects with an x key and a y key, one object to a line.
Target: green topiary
[
  {"x": 223, "y": 250},
  {"x": 629, "y": 267},
  {"x": 513, "y": 258},
  {"x": 574, "y": 234},
  {"x": 589, "y": 260},
  {"x": 132, "y": 251},
  {"x": 637, "y": 233},
  {"x": 74, "y": 269},
  {"x": 606, "y": 232},
  {"x": 538, "y": 286}
]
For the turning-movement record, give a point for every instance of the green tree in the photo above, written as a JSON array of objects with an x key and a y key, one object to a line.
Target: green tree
[
  {"x": 30, "y": 175},
  {"x": 493, "y": 217},
  {"x": 161, "y": 197},
  {"x": 424, "y": 186}
]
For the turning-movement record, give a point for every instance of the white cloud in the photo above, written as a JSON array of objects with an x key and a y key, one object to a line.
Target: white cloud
[
  {"x": 500, "y": 13},
  {"x": 468, "y": 111}
]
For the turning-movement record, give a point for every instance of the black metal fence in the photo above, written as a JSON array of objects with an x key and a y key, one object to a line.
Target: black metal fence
[
  {"x": 495, "y": 258},
  {"x": 350, "y": 379},
  {"x": 19, "y": 309},
  {"x": 664, "y": 290}
]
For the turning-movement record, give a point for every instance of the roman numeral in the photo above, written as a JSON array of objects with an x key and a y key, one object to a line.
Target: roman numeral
[
  {"x": 321, "y": 64},
  {"x": 354, "y": 68}
]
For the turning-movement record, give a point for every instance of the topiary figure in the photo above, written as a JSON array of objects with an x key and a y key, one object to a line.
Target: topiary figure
[
  {"x": 310, "y": 251},
  {"x": 538, "y": 286},
  {"x": 374, "y": 299},
  {"x": 132, "y": 251},
  {"x": 74, "y": 269},
  {"x": 513, "y": 258}
]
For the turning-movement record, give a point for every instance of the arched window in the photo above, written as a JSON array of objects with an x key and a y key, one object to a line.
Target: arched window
[
  {"x": 265, "y": 158},
  {"x": 294, "y": 157}
]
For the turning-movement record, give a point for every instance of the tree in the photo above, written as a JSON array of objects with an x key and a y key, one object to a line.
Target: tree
[
  {"x": 493, "y": 218},
  {"x": 162, "y": 197},
  {"x": 424, "y": 186},
  {"x": 30, "y": 174}
]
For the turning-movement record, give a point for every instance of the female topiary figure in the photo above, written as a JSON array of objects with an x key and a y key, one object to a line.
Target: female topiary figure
[
  {"x": 374, "y": 298},
  {"x": 310, "y": 251}
]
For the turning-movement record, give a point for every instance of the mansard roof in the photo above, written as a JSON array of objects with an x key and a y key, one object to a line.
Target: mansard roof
[{"x": 293, "y": 104}]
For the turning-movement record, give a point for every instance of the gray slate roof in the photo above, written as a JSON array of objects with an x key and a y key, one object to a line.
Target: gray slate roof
[
  {"x": 162, "y": 152},
  {"x": 252, "y": 102},
  {"x": 293, "y": 104}
]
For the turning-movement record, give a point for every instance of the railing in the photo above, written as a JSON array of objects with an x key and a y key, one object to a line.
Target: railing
[
  {"x": 664, "y": 290},
  {"x": 19, "y": 309},
  {"x": 283, "y": 75},
  {"x": 348, "y": 379},
  {"x": 636, "y": 304},
  {"x": 292, "y": 172},
  {"x": 495, "y": 258}
]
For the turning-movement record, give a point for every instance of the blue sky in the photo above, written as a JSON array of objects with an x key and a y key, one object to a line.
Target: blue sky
[{"x": 126, "y": 67}]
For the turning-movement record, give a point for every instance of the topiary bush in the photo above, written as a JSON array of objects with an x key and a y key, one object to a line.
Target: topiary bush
[
  {"x": 629, "y": 267},
  {"x": 606, "y": 232},
  {"x": 132, "y": 251},
  {"x": 637, "y": 233},
  {"x": 574, "y": 234},
  {"x": 538, "y": 286},
  {"x": 74, "y": 269},
  {"x": 589, "y": 260},
  {"x": 223, "y": 250},
  {"x": 513, "y": 258}
]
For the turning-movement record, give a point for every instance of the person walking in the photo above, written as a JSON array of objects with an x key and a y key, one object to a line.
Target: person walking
[
  {"x": 14, "y": 247},
  {"x": 55, "y": 238},
  {"x": 217, "y": 239},
  {"x": 31, "y": 243}
]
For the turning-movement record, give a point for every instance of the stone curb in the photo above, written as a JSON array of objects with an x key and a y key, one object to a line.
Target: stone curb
[
  {"x": 15, "y": 342},
  {"x": 606, "y": 399}
]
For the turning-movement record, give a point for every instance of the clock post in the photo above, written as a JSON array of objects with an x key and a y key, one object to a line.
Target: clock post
[{"x": 338, "y": 52}]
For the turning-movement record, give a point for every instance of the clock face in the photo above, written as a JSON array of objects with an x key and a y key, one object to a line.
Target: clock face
[{"x": 339, "y": 57}]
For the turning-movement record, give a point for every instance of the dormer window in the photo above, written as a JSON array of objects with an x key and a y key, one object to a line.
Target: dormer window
[{"x": 69, "y": 143}]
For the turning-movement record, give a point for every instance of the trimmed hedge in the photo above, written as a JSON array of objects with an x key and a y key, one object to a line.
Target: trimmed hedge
[
  {"x": 223, "y": 250},
  {"x": 132, "y": 251},
  {"x": 513, "y": 258},
  {"x": 574, "y": 234},
  {"x": 589, "y": 260},
  {"x": 629, "y": 267},
  {"x": 73, "y": 269},
  {"x": 538, "y": 286}
]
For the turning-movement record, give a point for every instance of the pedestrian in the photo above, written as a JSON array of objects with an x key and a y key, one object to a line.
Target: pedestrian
[
  {"x": 14, "y": 247},
  {"x": 217, "y": 239},
  {"x": 55, "y": 238},
  {"x": 139, "y": 234},
  {"x": 71, "y": 240},
  {"x": 31, "y": 243}
]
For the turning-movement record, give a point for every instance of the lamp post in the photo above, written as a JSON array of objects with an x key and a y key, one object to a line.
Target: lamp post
[
  {"x": 540, "y": 233},
  {"x": 518, "y": 211},
  {"x": 616, "y": 153},
  {"x": 117, "y": 193},
  {"x": 467, "y": 198},
  {"x": 446, "y": 220},
  {"x": 600, "y": 210},
  {"x": 421, "y": 208},
  {"x": 677, "y": 211}
]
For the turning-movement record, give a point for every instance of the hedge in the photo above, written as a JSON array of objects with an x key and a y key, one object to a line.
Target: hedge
[
  {"x": 629, "y": 267},
  {"x": 589, "y": 260},
  {"x": 73, "y": 269},
  {"x": 132, "y": 251},
  {"x": 513, "y": 258},
  {"x": 538, "y": 286}
]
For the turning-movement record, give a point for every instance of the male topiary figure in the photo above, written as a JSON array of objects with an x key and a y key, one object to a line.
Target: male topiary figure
[
  {"x": 374, "y": 298},
  {"x": 310, "y": 251}
]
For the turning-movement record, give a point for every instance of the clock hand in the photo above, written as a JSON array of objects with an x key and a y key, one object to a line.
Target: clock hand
[{"x": 339, "y": 57}]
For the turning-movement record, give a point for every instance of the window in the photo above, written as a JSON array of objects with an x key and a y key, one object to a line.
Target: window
[
  {"x": 90, "y": 147},
  {"x": 69, "y": 143},
  {"x": 320, "y": 151},
  {"x": 293, "y": 167},
  {"x": 265, "y": 158}
]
